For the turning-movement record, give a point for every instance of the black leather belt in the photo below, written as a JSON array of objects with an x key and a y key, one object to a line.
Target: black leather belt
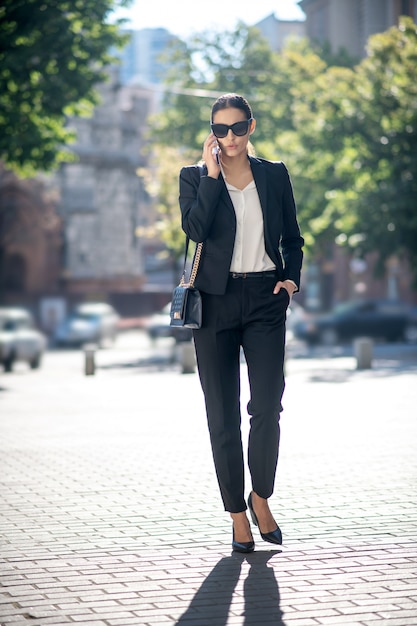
[{"x": 268, "y": 274}]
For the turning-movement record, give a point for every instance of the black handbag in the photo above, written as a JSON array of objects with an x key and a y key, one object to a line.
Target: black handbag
[{"x": 186, "y": 305}]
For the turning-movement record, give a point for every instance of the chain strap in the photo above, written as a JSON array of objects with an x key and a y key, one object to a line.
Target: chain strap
[{"x": 194, "y": 268}]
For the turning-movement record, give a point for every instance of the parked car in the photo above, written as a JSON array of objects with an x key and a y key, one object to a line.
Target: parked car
[
  {"x": 90, "y": 322},
  {"x": 19, "y": 339},
  {"x": 158, "y": 324},
  {"x": 388, "y": 320}
]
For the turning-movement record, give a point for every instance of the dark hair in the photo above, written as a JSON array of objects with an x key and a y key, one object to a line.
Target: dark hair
[{"x": 234, "y": 101}]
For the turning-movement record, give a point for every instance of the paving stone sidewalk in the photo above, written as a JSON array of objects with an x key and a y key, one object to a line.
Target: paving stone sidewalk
[{"x": 110, "y": 513}]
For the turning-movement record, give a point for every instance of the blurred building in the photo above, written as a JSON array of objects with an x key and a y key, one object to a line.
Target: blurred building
[
  {"x": 30, "y": 240},
  {"x": 278, "y": 32},
  {"x": 142, "y": 59},
  {"x": 106, "y": 210},
  {"x": 93, "y": 241},
  {"x": 347, "y": 24},
  {"x": 103, "y": 198},
  {"x": 339, "y": 276}
]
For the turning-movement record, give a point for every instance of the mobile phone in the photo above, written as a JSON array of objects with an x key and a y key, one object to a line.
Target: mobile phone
[{"x": 216, "y": 152}]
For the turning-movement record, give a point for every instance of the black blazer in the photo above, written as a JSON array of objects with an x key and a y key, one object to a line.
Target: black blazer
[{"x": 208, "y": 215}]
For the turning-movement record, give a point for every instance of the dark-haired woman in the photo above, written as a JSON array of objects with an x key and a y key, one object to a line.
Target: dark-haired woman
[{"x": 242, "y": 208}]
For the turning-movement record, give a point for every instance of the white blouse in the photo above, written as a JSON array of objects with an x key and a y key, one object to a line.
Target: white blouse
[{"x": 249, "y": 254}]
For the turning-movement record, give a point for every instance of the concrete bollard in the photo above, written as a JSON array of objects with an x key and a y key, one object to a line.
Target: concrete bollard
[
  {"x": 363, "y": 351},
  {"x": 89, "y": 359}
]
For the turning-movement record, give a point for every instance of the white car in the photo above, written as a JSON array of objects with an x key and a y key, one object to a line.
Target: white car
[
  {"x": 19, "y": 339},
  {"x": 91, "y": 322}
]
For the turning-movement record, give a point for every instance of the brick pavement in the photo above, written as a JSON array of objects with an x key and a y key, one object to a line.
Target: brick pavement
[{"x": 110, "y": 514}]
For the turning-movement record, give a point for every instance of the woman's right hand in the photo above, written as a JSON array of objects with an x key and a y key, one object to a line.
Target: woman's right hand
[{"x": 209, "y": 156}]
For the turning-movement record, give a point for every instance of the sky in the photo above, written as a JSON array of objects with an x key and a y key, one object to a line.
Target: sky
[{"x": 185, "y": 17}]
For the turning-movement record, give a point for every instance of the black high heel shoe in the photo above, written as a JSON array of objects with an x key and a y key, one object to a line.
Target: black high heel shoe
[
  {"x": 245, "y": 546},
  {"x": 275, "y": 536}
]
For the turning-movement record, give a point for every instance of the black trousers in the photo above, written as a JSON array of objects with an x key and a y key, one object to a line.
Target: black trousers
[{"x": 251, "y": 316}]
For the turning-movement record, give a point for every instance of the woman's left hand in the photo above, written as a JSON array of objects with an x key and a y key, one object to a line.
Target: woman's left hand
[{"x": 286, "y": 284}]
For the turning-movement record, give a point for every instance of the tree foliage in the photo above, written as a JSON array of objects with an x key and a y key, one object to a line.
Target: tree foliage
[
  {"x": 386, "y": 154},
  {"x": 161, "y": 181},
  {"x": 52, "y": 54},
  {"x": 348, "y": 133},
  {"x": 355, "y": 144}
]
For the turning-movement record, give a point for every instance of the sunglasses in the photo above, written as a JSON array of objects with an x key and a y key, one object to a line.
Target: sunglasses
[{"x": 238, "y": 128}]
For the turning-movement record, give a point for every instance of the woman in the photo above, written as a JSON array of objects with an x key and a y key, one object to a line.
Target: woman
[{"x": 242, "y": 209}]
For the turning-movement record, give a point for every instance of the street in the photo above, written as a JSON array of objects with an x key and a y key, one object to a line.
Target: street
[{"x": 110, "y": 513}]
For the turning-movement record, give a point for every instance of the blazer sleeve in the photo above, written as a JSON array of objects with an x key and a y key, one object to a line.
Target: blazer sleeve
[
  {"x": 291, "y": 240},
  {"x": 198, "y": 197}
]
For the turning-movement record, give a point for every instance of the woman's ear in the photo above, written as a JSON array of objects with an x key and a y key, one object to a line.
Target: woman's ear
[{"x": 252, "y": 126}]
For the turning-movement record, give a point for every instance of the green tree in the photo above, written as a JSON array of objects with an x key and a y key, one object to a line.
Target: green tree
[
  {"x": 321, "y": 133},
  {"x": 348, "y": 134},
  {"x": 385, "y": 189},
  {"x": 206, "y": 66},
  {"x": 356, "y": 137},
  {"x": 52, "y": 54},
  {"x": 161, "y": 180},
  {"x": 352, "y": 149}
]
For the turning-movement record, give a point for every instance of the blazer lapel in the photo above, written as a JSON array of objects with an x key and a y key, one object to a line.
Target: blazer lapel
[
  {"x": 259, "y": 176},
  {"x": 226, "y": 196}
]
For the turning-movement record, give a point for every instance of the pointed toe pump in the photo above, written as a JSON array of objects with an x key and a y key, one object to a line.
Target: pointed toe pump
[
  {"x": 275, "y": 536},
  {"x": 245, "y": 546}
]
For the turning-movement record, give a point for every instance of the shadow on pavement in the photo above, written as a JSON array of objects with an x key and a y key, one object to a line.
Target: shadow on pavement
[{"x": 211, "y": 604}]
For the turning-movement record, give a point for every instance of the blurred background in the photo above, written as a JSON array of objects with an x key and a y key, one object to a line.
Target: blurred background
[{"x": 99, "y": 111}]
